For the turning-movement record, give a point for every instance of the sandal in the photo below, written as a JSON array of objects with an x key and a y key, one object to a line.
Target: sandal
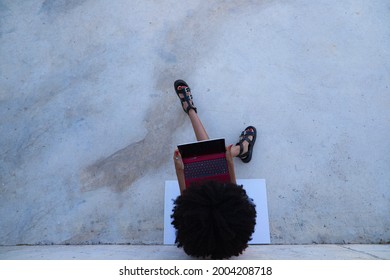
[
  {"x": 246, "y": 157},
  {"x": 186, "y": 98}
]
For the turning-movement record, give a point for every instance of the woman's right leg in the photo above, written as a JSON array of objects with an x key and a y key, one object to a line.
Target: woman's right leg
[{"x": 246, "y": 142}]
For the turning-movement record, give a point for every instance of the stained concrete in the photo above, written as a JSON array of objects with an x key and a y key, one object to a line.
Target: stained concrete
[{"x": 89, "y": 118}]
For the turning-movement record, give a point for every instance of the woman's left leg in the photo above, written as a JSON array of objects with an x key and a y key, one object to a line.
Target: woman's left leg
[{"x": 198, "y": 127}]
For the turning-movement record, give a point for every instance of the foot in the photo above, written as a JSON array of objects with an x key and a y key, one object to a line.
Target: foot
[
  {"x": 184, "y": 93},
  {"x": 244, "y": 147},
  {"x": 187, "y": 106}
]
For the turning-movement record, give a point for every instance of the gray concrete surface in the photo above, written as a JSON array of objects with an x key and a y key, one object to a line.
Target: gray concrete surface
[
  {"x": 89, "y": 118},
  {"x": 165, "y": 252}
]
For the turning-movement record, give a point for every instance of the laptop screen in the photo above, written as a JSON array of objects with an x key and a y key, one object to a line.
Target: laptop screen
[{"x": 207, "y": 147}]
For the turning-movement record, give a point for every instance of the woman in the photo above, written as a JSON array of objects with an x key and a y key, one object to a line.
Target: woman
[{"x": 213, "y": 220}]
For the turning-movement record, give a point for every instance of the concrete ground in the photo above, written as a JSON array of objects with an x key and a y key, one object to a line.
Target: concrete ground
[
  {"x": 161, "y": 252},
  {"x": 89, "y": 118}
]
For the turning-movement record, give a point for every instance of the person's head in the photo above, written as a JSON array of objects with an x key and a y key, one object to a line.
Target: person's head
[{"x": 214, "y": 220}]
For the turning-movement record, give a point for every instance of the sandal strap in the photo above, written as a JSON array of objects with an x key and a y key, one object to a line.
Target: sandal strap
[
  {"x": 187, "y": 99},
  {"x": 245, "y": 137},
  {"x": 184, "y": 92},
  {"x": 241, "y": 154},
  {"x": 247, "y": 133}
]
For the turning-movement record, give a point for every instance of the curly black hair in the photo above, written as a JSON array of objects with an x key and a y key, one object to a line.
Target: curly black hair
[{"x": 214, "y": 220}]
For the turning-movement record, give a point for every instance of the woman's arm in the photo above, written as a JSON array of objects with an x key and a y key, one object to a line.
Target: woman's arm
[
  {"x": 179, "y": 167},
  {"x": 230, "y": 163}
]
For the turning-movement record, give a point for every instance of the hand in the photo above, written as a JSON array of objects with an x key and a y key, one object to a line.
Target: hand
[{"x": 179, "y": 165}]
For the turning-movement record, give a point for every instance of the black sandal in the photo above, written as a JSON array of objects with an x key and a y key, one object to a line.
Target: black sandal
[
  {"x": 245, "y": 137},
  {"x": 186, "y": 98}
]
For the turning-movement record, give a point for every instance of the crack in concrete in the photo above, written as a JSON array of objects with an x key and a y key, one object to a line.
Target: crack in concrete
[
  {"x": 119, "y": 170},
  {"x": 362, "y": 252}
]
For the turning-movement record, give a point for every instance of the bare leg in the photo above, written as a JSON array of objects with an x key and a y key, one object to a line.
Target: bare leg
[
  {"x": 197, "y": 125},
  {"x": 236, "y": 150}
]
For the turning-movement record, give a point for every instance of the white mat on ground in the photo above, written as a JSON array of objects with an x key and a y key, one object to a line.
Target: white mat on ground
[{"x": 255, "y": 188}]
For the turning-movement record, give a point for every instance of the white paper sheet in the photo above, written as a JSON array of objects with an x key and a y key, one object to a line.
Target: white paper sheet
[{"x": 255, "y": 188}]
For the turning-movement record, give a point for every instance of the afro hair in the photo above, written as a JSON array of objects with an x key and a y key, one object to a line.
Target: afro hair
[{"x": 214, "y": 220}]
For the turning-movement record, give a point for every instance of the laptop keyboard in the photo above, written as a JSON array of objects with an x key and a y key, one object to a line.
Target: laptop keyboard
[{"x": 206, "y": 168}]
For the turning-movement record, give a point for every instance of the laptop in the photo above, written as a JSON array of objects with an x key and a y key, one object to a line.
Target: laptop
[{"x": 205, "y": 161}]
